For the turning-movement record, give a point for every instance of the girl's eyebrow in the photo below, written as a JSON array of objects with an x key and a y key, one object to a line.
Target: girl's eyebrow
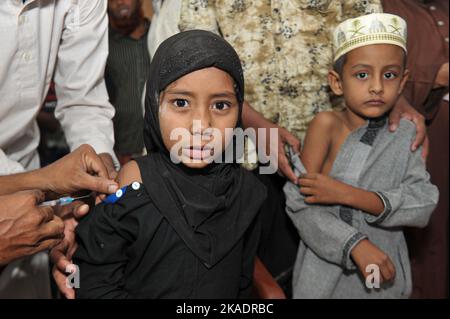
[
  {"x": 187, "y": 93},
  {"x": 226, "y": 94}
]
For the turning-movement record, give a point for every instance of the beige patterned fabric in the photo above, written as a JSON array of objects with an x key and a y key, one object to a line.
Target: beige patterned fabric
[{"x": 285, "y": 47}]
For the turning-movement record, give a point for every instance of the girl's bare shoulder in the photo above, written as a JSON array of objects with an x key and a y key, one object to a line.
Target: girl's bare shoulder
[{"x": 128, "y": 174}]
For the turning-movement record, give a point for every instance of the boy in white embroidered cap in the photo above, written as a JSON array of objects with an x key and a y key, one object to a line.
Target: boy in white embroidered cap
[{"x": 363, "y": 183}]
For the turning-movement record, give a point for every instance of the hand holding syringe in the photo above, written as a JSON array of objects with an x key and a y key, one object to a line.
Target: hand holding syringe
[
  {"x": 63, "y": 201},
  {"x": 295, "y": 162}
]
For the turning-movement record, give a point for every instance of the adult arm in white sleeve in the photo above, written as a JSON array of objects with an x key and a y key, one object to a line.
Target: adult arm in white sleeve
[{"x": 83, "y": 106}]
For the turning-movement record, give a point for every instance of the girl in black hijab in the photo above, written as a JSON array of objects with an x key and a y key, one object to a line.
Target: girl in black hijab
[{"x": 186, "y": 230}]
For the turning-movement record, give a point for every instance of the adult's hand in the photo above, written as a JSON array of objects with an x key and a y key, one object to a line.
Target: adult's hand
[
  {"x": 252, "y": 118},
  {"x": 81, "y": 169},
  {"x": 26, "y": 229},
  {"x": 61, "y": 255},
  {"x": 109, "y": 164},
  {"x": 404, "y": 110},
  {"x": 286, "y": 138}
]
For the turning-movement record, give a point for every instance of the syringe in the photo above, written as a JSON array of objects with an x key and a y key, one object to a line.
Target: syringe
[{"x": 63, "y": 201}]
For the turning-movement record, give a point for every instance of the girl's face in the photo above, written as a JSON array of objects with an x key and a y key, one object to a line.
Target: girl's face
[{"x": 197, "y": 115}]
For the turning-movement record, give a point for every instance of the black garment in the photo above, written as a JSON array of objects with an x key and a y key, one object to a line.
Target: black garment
[
  {"x": 277, "y": 230},
  {"x": 131, "y": 250},
  {"x": 191, "y": 232},
  {"x": 126, "y": 72}
]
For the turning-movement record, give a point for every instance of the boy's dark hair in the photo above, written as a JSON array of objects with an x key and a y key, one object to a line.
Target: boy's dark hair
[{"x": 338, "y": 66}]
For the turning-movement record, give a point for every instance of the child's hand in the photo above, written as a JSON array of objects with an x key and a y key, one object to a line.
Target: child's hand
[
  {"x": 366, "y": 253},
  {"x": 322, "y": 189}
]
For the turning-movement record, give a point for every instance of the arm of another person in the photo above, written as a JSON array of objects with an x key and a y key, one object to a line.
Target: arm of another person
[
  {"x": 25, "y": 228},
  {"x": 81, "y": 169},
  {"x": 83, "y": 108},
  {"x": 253, "y": 119}
]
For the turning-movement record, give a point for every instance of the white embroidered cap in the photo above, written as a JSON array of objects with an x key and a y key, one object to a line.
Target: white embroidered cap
[{"x": 375, "y": 28}]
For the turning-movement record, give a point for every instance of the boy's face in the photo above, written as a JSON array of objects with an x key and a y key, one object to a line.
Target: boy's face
[
  {"x": 372, "y": 79},
  {"x": 197, "y": 109}
]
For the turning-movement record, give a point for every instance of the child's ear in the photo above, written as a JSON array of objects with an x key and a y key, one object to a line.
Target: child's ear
[
  {"x": 334, "y": 80},
  {"x": 403, "y": 82}
]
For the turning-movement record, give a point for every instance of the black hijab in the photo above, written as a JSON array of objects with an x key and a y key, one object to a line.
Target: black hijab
[{"x": 210, "y": 208}]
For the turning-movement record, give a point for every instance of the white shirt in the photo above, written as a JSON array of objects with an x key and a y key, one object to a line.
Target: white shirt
[
  {"x": 39, "y": 39},
  {"x": 165, "y": 19},
  {"x": 67, "y": 39}
]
